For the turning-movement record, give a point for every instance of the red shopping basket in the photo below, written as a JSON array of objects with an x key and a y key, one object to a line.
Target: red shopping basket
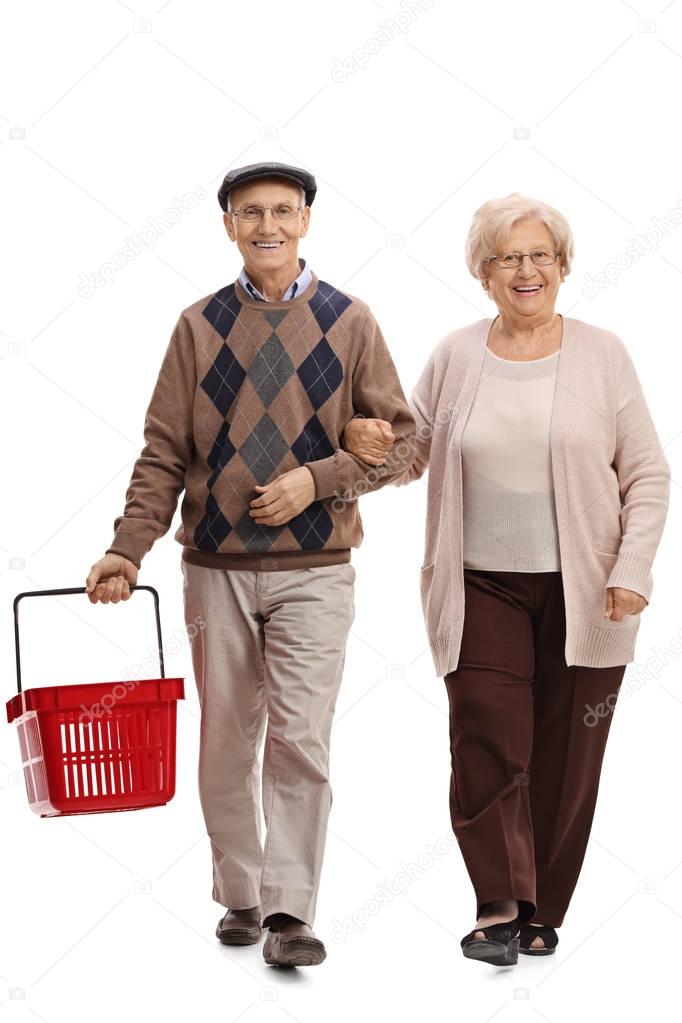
[{"x": 96, "y": 746}]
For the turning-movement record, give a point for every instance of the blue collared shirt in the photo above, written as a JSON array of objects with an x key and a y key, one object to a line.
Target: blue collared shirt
[{"x": 300, "y": 284}]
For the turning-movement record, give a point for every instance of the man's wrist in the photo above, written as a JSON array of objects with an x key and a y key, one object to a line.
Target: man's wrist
[
  {"x": 325, "y": 474},
  {"x": 310, "y": 477},
  {"x": 358, "y": 415}
]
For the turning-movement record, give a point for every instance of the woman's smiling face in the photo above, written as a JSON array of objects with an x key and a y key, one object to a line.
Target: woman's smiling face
[{"x": 528, "y": 292}]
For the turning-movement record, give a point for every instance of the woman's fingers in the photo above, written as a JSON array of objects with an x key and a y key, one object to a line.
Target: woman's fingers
[
  {"x": 608, "y": 604},
  {"x": 620, "y": 602}
]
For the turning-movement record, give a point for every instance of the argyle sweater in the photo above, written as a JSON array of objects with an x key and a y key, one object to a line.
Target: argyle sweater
[{"x": 247, "y": 391}]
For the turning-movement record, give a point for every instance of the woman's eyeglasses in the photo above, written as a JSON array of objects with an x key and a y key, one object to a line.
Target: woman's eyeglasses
[{"x": 513, "y": 260}]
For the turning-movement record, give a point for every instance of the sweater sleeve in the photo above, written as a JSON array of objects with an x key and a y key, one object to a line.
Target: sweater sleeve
[
  {"x": 643, "y": 478},
  {"x": 159, "y": 473},
  {"x": 377, "y": 394}
]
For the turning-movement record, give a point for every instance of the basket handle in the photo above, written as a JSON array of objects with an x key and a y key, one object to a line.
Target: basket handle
[{"x": 80, "y": 589}]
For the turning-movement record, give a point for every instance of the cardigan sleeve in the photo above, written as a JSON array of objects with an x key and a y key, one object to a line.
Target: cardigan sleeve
[
  {"x": 158, "y": 475},
  {"x": 420, "y": 407},
  {"x": 643, "y": 479},
  {"x": 429, "y": 407}
]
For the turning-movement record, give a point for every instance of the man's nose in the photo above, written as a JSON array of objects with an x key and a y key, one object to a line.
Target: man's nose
[{"x": 268, "y": 224}]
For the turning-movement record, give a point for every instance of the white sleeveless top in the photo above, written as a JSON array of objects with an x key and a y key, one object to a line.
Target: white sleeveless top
[{"x": 508, "y": 494}]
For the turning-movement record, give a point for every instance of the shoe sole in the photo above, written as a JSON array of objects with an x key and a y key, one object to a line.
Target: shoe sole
[
  {"x": 237, "y": 937},
  {"x": 537, "y": 951},
  {"x": 493, "y": 952},
  {"x": 301, "y": 954}
]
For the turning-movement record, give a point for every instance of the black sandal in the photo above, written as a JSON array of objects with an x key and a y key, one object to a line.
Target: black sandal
[
  {"x": 500, "y": 946},
  {"x": 548, "y": 935}
]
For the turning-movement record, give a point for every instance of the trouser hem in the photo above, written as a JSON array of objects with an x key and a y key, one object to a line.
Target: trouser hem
[
  {"x": 282, "y": 902},
  {"x": 526, "y": 909},
  {"x": 234, "y": 897}
]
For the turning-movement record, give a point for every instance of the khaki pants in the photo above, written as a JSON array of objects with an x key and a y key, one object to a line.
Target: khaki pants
[{"x": 272, "y": 648}]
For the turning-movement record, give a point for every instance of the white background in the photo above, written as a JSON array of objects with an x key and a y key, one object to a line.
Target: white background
[{"x": 410, "y": 117}]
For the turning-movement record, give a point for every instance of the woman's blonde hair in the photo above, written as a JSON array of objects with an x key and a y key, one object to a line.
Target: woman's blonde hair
[{"x": 493, "y": 221}]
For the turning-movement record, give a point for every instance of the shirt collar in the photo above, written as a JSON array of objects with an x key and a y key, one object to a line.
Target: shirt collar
[{"x": 295, "y": 288}]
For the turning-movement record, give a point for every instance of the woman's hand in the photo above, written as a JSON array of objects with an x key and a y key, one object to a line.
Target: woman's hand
[
  {"x": 117, "y": 575},
  {"x": 370, "y": 440},
  {"x": 283, "y": 498},
  {"x": 620, "y": 602}
]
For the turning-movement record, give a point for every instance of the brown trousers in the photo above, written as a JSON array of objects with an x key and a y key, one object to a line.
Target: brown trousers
[{"x": 527, "y": 740}]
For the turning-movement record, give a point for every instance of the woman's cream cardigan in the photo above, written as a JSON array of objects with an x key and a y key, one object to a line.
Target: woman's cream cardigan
[{"x": 611, "y": 487}]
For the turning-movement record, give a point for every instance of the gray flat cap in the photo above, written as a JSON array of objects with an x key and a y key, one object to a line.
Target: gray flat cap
[{"x": 254, "y": 171}]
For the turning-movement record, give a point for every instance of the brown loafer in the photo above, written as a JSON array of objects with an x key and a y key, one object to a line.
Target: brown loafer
[
  {"x": 293, "y": 944},
  {"x": 240, "y": 927}
]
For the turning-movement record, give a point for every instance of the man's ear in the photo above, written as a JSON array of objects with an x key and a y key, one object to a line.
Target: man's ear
[
  {"x": 229, "y": 226},
  {"x": 305, "y": 221}
]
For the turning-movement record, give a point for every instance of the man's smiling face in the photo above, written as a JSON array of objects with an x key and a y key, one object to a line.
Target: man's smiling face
[{"x": 268, "y": 246}]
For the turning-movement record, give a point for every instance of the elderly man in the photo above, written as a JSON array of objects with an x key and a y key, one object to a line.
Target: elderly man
[{"x": 256, "y": 387}]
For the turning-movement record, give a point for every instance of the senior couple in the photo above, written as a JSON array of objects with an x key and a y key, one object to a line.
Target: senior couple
[{"x": 277, "y": 403}]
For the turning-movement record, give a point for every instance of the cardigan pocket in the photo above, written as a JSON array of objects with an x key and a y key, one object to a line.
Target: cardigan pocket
[
  {"x": 605, "y": 562},
  {"x": 607, "y": 547},
  {"x": 425, "y": 580},
  {"x": 594, "y": 595},
  {"x": 607, "y": 558}
]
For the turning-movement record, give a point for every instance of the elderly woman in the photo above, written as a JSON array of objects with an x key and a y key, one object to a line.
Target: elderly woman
[{"x": 547, "y": 495}]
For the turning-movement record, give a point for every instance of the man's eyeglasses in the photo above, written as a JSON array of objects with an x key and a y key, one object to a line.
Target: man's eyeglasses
[
  {"x": 513, "y": 260},
  {"x": 282, "y": 211}
]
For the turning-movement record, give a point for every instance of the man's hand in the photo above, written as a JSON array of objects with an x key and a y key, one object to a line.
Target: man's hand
[
  {"x": 116, "y": 575},
  {"x": 370, "y": 440},
  {"x": 283, "y": 498},
  {"x": 620, "y": 602}
]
